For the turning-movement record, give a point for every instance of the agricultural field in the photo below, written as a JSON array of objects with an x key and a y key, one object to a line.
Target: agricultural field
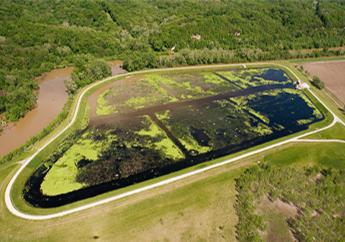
[
  {"x": 149, "y": 125},
  {"x": 332, "y": 74}
]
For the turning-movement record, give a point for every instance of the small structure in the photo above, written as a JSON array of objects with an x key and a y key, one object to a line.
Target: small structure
[
  {"x": 65, "y": 23},
  {"x": 301, "y": 85},
  {"x": 2, "y": 39},
  {"x": 172, "y": 50},
  {"x": 3, "y": 123},
  {"x": 196, "y": 37},
  {"x": 237, "y": 34}
]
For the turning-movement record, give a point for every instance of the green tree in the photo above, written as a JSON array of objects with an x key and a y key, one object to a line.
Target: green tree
[
  {"x": 88, "y": 72},
  {"x": 318, "y": 83},
  {"x": 18, "y": 102}
]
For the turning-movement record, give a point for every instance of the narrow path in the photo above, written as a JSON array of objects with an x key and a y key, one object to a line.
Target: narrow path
[
  {"x": 24, "y": 215},
  {"x": 196, "y": 101},
  {"x": 227, "y": 79},
  {"x": 320, "y": 141},
  {"x": 170, "y": 135},
  {"x": 327, "y": 92}
]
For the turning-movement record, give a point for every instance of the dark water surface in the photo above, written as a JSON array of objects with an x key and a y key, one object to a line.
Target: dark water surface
[{"x": 274, "y": 75}]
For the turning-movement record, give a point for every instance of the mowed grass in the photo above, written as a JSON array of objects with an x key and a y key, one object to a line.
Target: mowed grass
[
  {"x": 324, "y": 154},
  {"x": 336, "y": 132},
  {"x": 199, "y": 208}
]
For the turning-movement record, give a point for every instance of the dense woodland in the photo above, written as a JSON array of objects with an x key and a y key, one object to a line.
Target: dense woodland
[{"x": 37, "y": 36}]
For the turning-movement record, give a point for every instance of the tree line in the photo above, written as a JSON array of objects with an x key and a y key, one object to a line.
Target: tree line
[{"x": 37, "y": 36}]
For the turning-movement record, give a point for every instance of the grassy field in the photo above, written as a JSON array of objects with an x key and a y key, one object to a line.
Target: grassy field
[
  {"x": 332, "y": 58},
  {"x": 198, "y": 208},
  {"x": 336, "y": 132},
  {"x": 204, "y": 206},
  {"x": 327, "y": 154},
  {"x": 195, "y": 209}
]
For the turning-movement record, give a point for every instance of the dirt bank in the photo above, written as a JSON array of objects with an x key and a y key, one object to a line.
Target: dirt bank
[{"x": 116, "y": 67}]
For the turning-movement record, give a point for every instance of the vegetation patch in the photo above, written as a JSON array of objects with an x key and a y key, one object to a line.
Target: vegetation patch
[
  {"x": 275, "y": 214},
  {"x": 214, "y": 126},
  {"x": 103, "y": 108},
  {"x": 61, "y": 178},
  {"x": 308, "y": 199},
  {"x": 155, "y": 89},
  {"x": 136, "y": 93},
  {"x": 255, "y": 77},
  {"x": 87, "y": 70},
  {"x": 336, "y": 132},
  {"x": 163, "y": 143}
]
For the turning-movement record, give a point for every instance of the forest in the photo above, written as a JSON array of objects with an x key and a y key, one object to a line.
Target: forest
[{"x": 37, "y": 36}]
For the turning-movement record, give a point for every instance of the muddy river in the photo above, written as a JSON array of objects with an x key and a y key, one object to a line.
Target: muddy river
[{"x": 50, "y": 101}]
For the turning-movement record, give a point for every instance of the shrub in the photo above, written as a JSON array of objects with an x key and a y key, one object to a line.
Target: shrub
[
  {"x": 318, "y": 83},
  {"x": 87, "y": 72}
]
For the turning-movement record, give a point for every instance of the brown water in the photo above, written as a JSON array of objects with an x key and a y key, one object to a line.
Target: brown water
[
  {"x": 116, "y": 67},
  {"x": 50, "y": 101}
]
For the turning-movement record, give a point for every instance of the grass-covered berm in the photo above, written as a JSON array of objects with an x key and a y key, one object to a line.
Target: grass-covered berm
[{"x": 155, "y": 124}]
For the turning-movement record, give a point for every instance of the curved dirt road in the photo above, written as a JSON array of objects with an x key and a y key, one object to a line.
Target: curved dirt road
[{"x": 320, "y": 141}]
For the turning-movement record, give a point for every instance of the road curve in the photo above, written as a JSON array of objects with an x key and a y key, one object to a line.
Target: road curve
[{"x": 23, "y": 215}]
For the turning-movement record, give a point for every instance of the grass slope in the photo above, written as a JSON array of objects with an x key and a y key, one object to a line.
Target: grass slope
[
  {"x": 195, "y": 209},
  {"x": 336, "y": 132}
]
